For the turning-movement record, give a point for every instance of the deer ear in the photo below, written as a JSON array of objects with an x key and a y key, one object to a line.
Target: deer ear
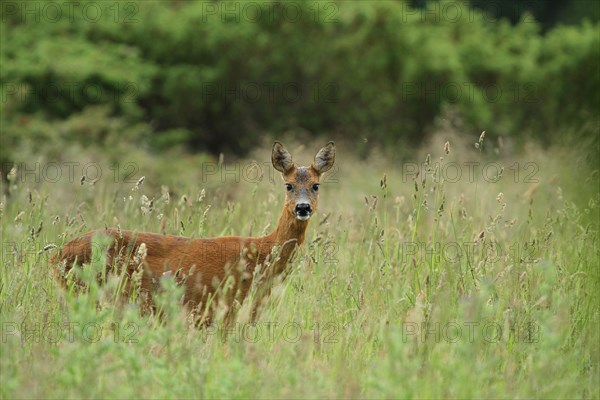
[
  {"x": 325, "y": 158},
  {"x": 281, "y": 158}
]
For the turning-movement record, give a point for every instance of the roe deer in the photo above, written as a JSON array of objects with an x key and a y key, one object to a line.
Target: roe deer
[{"x": 202, "y": 265}]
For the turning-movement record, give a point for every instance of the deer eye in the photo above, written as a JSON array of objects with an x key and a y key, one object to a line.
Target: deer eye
[
  {"x": 289, "y": 187},
  {"x": 315, "y": 187}
]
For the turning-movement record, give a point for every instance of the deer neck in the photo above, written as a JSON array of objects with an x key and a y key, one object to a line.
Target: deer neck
[
  {"x": 288, "y": 234},
  {"x": 289, "y": 229}
]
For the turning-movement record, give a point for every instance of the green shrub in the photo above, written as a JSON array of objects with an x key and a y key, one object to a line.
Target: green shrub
[{"x": 215, "y": 80}]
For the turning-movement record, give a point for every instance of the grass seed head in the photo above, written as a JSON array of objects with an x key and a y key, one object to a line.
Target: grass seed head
[
  {"x": 166, "y": 195},
  {"x": 383, "y": 182},
  {"x": 140, "y": 254},
  {"x": 138, "y": 184},
  {"x": 19, "y": 216},
  {"x": 12, "y": 175}
]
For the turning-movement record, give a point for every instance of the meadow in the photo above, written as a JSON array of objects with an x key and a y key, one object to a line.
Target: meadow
[{"x": 460, "y": 269}]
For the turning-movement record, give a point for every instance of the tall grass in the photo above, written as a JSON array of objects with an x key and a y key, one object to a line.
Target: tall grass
[{"x": 414, "y": 286}]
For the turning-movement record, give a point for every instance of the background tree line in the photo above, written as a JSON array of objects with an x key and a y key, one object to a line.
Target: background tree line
[{"x": 215, "y": 76}]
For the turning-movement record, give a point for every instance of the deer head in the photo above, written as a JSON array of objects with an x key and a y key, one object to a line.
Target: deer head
[{"x": 302, "y": 183}]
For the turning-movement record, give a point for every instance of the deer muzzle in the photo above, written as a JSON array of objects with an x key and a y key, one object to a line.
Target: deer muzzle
[{"x": 303, "y": 211}]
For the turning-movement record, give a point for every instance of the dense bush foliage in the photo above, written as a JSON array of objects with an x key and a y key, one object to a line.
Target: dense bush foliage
[{"x": 215, "y": 75}]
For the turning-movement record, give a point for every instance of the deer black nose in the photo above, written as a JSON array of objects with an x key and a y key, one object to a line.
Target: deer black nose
[{"x": 303, "y": 209}]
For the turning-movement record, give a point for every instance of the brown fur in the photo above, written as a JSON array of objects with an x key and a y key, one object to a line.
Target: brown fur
[{"x": 203, "y": 265}]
